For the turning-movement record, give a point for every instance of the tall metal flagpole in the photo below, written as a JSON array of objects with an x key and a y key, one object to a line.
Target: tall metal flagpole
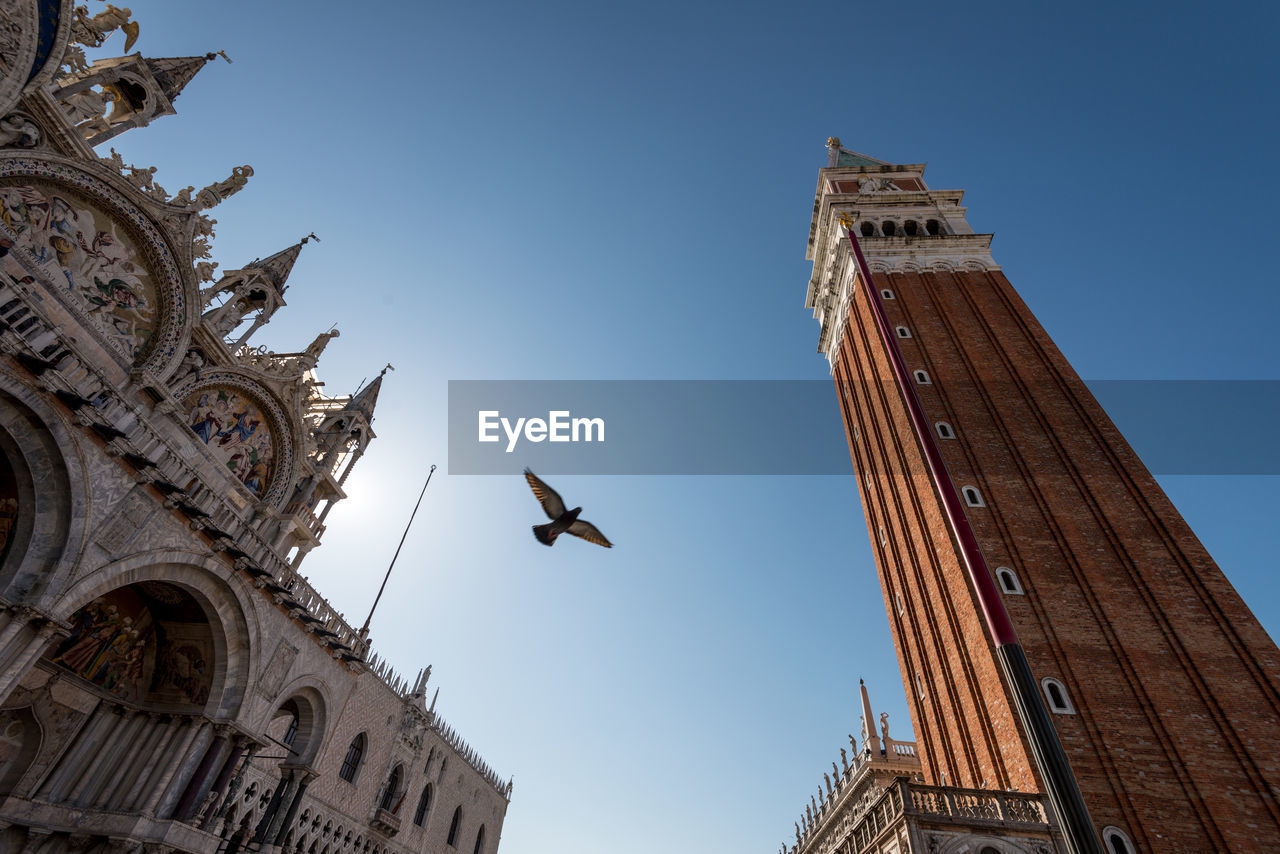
[
  {"x": 1046, "y": 748},
  {"x": 364, "y": 630}
]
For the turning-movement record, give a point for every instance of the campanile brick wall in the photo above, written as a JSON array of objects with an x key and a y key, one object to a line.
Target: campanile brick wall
[{"x": 1175, "y": 685}]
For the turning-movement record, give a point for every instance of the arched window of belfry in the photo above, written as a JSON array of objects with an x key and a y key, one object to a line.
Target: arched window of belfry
[{"x": 479, "y": 849}]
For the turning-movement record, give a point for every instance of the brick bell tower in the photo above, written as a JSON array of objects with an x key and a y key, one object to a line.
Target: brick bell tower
[{"x": 1160, "y": 684}]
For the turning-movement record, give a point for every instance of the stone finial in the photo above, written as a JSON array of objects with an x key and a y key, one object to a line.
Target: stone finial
[{"x": 833, "y": 151}]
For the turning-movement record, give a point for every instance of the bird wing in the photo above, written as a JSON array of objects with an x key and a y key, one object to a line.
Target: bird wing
[
  {"x": 552, "y": 503},
  {"x": 590, "y": 533}
]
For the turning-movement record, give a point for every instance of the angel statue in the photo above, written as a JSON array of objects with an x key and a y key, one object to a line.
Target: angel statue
[{"x": 92, "y": 32}]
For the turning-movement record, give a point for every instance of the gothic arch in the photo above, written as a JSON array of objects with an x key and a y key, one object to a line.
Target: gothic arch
[
  {"x": 147, "y": 329},
  {"x": 50, "y": 492},
  {"x": 234, "y": 639}
]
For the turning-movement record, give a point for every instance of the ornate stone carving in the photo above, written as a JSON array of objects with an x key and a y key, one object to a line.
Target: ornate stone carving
[
  {"x": 92, "y": 32},
  {"x": 17, "y": 130},
  {"x": 216, "y": 193}
]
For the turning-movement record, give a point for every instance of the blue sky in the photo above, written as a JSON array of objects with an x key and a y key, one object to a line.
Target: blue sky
[{"x": 598, "y": 191}]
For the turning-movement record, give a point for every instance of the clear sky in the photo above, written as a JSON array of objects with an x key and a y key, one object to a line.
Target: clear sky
[{"x": 568, "y": 190}]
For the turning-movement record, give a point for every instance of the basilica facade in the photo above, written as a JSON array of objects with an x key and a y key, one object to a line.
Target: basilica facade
[{"x": 168, "y": 679}]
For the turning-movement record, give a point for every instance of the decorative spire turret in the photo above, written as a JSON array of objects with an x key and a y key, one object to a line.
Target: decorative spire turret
[
  {"x": 113, "y": 95},
  {"x": 257, "y": 289},
  {"x": 344, "y": 431}
]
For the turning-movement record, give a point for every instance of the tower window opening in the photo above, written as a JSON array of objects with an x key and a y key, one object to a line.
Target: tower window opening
[
  {"x": 972, "y": 497},
  {"x": 1008, "y": 581},
  {"x": 904, "y": 332},
  {"x": 944, "y": 430},
  {"x": 884, "y": 538},
  {"x": 888, "y": 228},
  {"x": 920, "y": 685},
  {"x": 902, "y": 606},
  {"x": 911, "y": 228},
  {"x": 933, "y": 227},
  {"x": 1056, "y": 693},
  {"x": 868, "y": 229},
  {"x": 887, "y": 294},
  {"x": 922, "y": 377},
  {"x": 1117, "y": 841}
]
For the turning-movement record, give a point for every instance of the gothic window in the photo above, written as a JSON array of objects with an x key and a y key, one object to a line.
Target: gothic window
[
  {"x": 351, "y": 763},
  {"x": 904, "y": 332},
  {"x": 944, "y": 430},
  {"x": 972, "y": 497},
  {"x": 887, "y": 294},
  {"x": 392, "y": 789},
  {"x": 431, "y": 755},
  {"x": 1056, "y": 693},
  {"x": 922, "y": 378},
  {"x": 424, "y": 804},
  {"x": 868, "y": 229},
  {"x": 479, "y": 849},
  {"x": 1008, "y": 581},
  {"x": 1117, "y": 840},
  {"x": 454, "y": 826}
]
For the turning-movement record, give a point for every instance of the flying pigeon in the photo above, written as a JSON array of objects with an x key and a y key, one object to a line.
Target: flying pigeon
[{"x": 562, "y": 520}]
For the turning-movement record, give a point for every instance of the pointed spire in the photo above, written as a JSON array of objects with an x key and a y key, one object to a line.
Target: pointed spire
[
  {"x": 280, "y": 265},
  {"x": 367, "y": 398},
  {"x": 175, "y": 72}
]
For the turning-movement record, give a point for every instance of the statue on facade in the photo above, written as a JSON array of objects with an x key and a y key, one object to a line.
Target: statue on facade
[
  {"x": 216, "y": 193},
  {"x": 87, "y": 110},
  {"x": 316, "y": 347},
  {"x": 884, "y": 728},
  {"x": 189, "y": 369},
  {"x": 204, "y": 270},
  {"x": 92, "y": 32}
]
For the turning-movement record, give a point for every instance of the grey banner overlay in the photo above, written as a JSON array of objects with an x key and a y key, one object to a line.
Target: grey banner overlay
[{"x": 791, "y": 427}]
